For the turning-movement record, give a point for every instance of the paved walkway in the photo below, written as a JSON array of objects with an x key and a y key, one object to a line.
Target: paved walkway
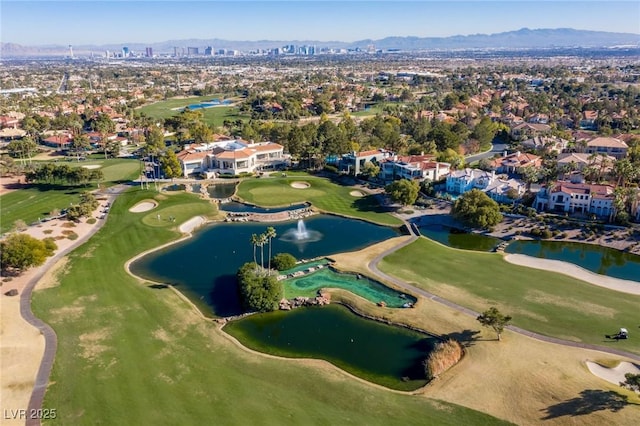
[
  {"x": 50, "y": 338},
  {"x": 373, "y": 266}
]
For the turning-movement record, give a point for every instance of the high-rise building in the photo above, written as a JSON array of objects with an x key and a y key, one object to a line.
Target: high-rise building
[
  {"x": 191, "y": 51},
  {"x": 148, "y": 52},
  {"x": 208, "y": 51},
  {"x": 125, "y": 52}
]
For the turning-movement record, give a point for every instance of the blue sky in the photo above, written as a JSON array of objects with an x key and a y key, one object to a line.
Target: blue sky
[{"x": 99, "y": 22}]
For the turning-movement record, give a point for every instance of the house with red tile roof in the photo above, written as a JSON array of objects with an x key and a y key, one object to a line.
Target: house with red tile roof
[
  {"x": 512, "y": 163},
  {"x": 231, "y": 157}
]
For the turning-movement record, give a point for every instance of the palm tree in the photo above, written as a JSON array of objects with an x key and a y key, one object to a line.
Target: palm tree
[
  {"x": 254, "y": 241},
  {"x": 270, "y": 234},
  {"x": 262, "y": 239}
]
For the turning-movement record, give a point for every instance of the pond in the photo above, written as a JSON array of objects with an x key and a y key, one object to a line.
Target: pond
[
  {"x": 221, "y": 190},
  {"x": 175, "y": 187},
  {"x": 236, "y": 207},
  {"x": 598, "y": 259},
  {"x": 459, "y": 239},
  {"x": 204, "y": 267},
  {"x": 388, "y": 355},
  {"x": 308, "y": 285}
]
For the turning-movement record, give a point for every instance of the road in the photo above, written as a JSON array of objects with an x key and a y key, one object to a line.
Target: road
[{"x": 497, "y": 148}]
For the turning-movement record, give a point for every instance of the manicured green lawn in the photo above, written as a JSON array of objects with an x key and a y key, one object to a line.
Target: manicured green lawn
[
  {"x": 541, "y": 301},
  {"x": 213, "y": 116},
  {"x": 38, "y": 201},
  {"x": 129, "y": 353},
  {"x": 322, "y": 193},
  {"x": 35, "y": 202}
]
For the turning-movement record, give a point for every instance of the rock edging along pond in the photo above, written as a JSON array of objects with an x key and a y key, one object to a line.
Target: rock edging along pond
[{"x": 388, "y": 355}]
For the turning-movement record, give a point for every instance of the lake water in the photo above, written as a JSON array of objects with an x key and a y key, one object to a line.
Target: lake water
[
  {"x": 204, "y": 266},
  {"x": 387, "y": 355},
  {"x": 601, "y": 260},
  {"x": 221, "y": 190},
  {"x": 459, "y": 239},
  {"x": 236, "y": 207}
]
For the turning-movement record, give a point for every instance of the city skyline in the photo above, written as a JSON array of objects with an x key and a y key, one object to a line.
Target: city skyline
[{"x": 112, "y": 22}]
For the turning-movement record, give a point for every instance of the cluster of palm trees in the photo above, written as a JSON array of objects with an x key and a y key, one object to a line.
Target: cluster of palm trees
[{"x": 260, "y": 241}]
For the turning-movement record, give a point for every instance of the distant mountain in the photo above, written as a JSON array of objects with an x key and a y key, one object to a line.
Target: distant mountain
[{"x": 521, "y": 39}]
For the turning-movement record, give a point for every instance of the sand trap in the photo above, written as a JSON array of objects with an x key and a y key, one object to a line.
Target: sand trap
[
  {"x": 356, "y": 194},
  {"x": 192, "y": 224},
  {"x": 613, "y": 375},
  {"x": 300, "y": 185},
  {"x": 624, "y": 286},
  {"x": 92, "y": 166},
  {"x": 143, "y": 206}
]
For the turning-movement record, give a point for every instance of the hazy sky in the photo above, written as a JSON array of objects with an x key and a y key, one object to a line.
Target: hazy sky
[{"x": 98, "y": 22}]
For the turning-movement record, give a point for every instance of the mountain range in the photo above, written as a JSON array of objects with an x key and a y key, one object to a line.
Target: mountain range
[{"x": 524, "y": 38}]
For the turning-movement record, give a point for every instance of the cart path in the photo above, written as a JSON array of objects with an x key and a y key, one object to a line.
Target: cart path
[
  {"x": 373, "y": 266},
  {"x": 50, "y": 338}
]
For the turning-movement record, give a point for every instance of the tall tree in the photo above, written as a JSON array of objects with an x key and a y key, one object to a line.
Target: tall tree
[
  {"x": 476, "y": 209},
  {"x": 270, "y": 234},
  {"x": 403, "y": 191},
  {"x": 170, "y": 165}
]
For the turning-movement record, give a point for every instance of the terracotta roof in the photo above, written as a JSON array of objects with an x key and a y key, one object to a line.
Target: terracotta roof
[
  {"x": 239, "y": 153},
  {"x": 368, "y": 153},
  {"x": 272, "y": 146},
  {"x": 607, "y": 142},
  {"x": 186, "y": 156}
]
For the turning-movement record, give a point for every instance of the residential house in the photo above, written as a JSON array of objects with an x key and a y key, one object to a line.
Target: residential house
[
  {"x": 231, "y": 157},
  {"x": 588, "y": 120},
  {"x": 353, "y": 163},
  {"x": 418, "y": 167},
  {"x": 59, "y": 141},
  {"x": 607, "y": 145},
  {"x": 568, "y": 197},
  {"x": 461, "y": 181},
  {"x": 512, "y": 163},
  {"x": 582, "y": 160},
  {"x": 545, "y": 144},
  {"x": 538, "y": 118},
  {"x": 500, "y": 190},
  {"x": 525, "y": 131},
  {"x": 505, "y": 190}
]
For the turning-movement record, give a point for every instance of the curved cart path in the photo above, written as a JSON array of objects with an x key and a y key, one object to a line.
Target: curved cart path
[
  {"x": 373, "y": 266},
  {"x": 50, "y": 338}
]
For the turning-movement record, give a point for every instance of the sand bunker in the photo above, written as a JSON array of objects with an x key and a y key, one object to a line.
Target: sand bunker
[
  {"x": 356, "y": 194},
  {"x": 613, "y": 375},
  {"x": 92, "y": 166},
  {"x": 143, "y": 206},
  {"x": 300, "y": 185},
  {"x": 192, "y": 224}
]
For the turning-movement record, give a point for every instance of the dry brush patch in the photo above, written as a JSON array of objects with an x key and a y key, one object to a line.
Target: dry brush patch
[{"x": 444, "y": 356}]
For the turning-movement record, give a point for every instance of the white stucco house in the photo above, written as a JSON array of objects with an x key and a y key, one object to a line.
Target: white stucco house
[
  {"x": 568, "y": 197},
  {"x": 231, "y": 157}
]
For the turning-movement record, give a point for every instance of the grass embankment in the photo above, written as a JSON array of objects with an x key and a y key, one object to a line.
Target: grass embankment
[
  {"x": 322, "y": 193},
  {"x": 37, "y": 201},
  {"x": 125, "y": 349},
  {"x": 213, "y": 116},
  {"x": 541, "y": 301}
]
